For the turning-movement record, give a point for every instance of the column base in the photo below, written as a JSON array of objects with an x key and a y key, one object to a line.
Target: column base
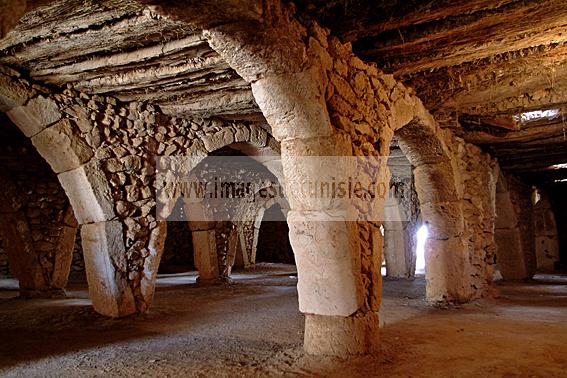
[
  {"x": 43, "y": 294},
  {"x": 209, "y": 281},
  {"x": 341, "y": 336}
]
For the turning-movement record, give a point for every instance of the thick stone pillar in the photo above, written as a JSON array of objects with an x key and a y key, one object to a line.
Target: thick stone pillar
[
  {"x": 232, "y": 250},
  {"x": 395, "y": 241},
  {"x": 446, "y": 255},
  {"x": 327, "y": 254},
  {"x": 204, "y": 240},
  {"x": 106, "y": 267},
  {"x": 102, "y": 238},
  {"x": 24, "y": 262},
  {"x": 206, "y": 259},
  {"x": 546, "y": 237},
  {"x": 242, "y": 259},
  {"x": 255, "y": 235},
  {"x": 394, "y": 250},
  {"x": 513, "y": 233},
  {"x": 108, "y": 174},
  {"x": 291, "y": 93}
]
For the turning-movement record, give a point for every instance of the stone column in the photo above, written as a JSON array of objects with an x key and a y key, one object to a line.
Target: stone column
[
  {"x": 327, "y": 254},
  {"x": 447, "y": 258},
  {"x": 323, "y": 238},
  {"x": 108, "y": 173},
  {"x": 546, "y": 237},
  {"x": 105, "y": 263},
  {"x": 24, "y": 262},
  {"x": 394, "y": 241},
  {"x": 509, "y": 250},
  {"x": 242, "y": 259},
  {"x": 102, "y": 239},
  {"x": 206, "y": 259},
  {"x": 513, "y": 233},
  {"x": 232, "y": 249},
  {"x": 204, "y": 239},
  {"x": 291, "y": 94},
  {"x": 256, "y": 235}
]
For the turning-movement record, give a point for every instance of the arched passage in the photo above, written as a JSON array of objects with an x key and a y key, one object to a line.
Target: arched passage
[
  {"x": 401, "y": 218},
  {"x": 218, "y": 217},
  {"x": 446, "y": 255},
  {"x": 273, "y": 241}
]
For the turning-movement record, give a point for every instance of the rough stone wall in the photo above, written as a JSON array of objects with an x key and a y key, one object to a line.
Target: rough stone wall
[
  {"x": 46, "y": 229},
  {"x": 478, "y": 183},
  {"x": 514, "y": 234},
  {"x": 226, "y": 247},
  {"x": 38, "y": 207},
  {"x": 247, "y": 235},
  {"x": 233, "y": 216},
  {"x": 359, "y": 99},
  {"x": 4, "y": 263},
  {"x": 78, "y": 262},
  {"x": 369, "y": 107},
  {"x": 46, "y": 208}
]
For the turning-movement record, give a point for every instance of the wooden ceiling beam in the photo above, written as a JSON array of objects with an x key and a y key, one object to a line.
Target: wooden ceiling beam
[{"x": 465, "y": 37}]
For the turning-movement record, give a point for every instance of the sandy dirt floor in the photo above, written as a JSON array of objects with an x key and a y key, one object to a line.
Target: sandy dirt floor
[{"x": 253, "y": 328}]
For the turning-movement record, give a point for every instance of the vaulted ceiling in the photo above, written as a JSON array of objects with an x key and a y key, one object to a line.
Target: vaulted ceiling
[{"x": 120, "y": 48}]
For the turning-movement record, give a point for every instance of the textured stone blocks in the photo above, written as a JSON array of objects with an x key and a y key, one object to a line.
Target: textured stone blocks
[
  {"x": 294, "y": 104},
  {"x": 448, "y": 271},
  {"x": 35, "y": 116},
  {"x": 89, "y": 193},
  {"x": 62, "y": 147},
  {"x": 323, "y": 252},
  {"x": 341, "y": 336},
  {"x": 105, "y": 262},
  {"x": 205, "y": 249},
  {"x": 12, "y": 93}
]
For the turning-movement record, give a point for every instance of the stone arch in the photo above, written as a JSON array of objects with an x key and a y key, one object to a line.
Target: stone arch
[
  {"x": 253, "y": 141},
  {"x": 59, "y": 140},
  {"x": 249, "y": 243},
  {"x": 319, "y": 100},
  {"x": 441, "y": 209},
  {"x": 340, "y": 304}
]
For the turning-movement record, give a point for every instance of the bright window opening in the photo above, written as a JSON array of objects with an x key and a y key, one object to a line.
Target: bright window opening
[
  {"x": 557, "y": 166},
  {"x": 422, "y": 235},
  {"x": 537, "y": 114}
]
